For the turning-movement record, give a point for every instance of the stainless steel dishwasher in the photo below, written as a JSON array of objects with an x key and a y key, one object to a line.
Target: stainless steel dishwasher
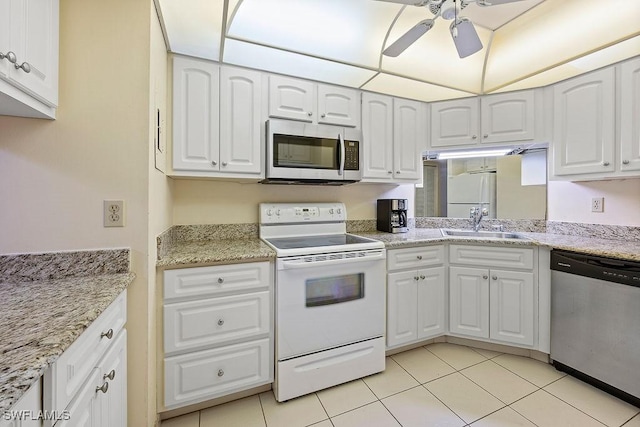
[{"x": 595, "y": 321}]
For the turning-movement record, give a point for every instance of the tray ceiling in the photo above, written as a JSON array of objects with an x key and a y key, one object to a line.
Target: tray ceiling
[{"x": 529, "y": 43}]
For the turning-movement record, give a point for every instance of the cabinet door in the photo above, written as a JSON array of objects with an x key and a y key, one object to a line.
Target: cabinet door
[
  {"x": 113, "y": 371},
  {"x": 454, "y": 123},
  {"x": 291, "y": 98},
  {"x": 377, "y": 136},
  {"x": 5, "y": 39},
  {"x": 402, "y": 316},
  {"x": 431, "y": 303},
  {"x": 629, "y": 113},
  {"x": 196, "y": 144},
  {"x": 469, "y": 301},
  {"x": 512, "y": 306},
  {"x": 508, "y": 117},
  {"x": 338, "y": 106},
  {"x": 84, "y": 410},
  {"x": 30, "y": 402},
  {"x": 241, "y": 120},
  {"x": 409, "y": 138},
  {"x": 584, "y": 124}
]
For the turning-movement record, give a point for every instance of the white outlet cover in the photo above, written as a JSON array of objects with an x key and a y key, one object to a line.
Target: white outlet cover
[{"x": 113, "y": 213}]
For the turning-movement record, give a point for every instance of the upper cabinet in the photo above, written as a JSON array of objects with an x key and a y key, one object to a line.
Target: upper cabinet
[
  {"x": 303, "y": 100},
  {"x": 29, "y": 58},
  {"x": 596, "y": 132},
  {"x": 394, "y": 134},
  {"x": 218, "y": 120},
  {"x": 492, "y": 119}
]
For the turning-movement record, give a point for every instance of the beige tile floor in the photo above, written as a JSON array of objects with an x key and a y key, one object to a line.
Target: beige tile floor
[{"x": 435, "y": 385}]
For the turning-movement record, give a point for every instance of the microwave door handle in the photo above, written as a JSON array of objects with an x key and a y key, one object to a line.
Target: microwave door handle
[{"x": 342, "y": 154}]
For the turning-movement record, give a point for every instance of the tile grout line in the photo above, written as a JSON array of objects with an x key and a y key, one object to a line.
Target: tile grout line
[
  {"x": 562, "y": 400},
  {"x": 264, "y": 416},
  {"x": 315, "y": 393}
]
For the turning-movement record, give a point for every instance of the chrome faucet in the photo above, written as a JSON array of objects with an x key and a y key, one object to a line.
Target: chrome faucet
[{"x": 476, "y": 214}]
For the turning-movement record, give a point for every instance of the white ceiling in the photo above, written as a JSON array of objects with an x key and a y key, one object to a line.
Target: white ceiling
[{"x": 528, "y": 43}]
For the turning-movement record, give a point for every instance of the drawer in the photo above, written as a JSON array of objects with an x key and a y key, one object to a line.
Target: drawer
[
  {"x": 197, "y": 324},
  {"x": 65, "y": 377},
  {"x": 418, "y": 257},
  {"x": 204, "y": 375},
  {"x": 195, "y": 282},
  {"x": 492, "y": 256}
]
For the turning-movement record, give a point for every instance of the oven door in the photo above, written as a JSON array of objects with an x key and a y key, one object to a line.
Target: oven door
[
  {"x": 303, "y": 151},
  {"x": 326, "y": 301}
]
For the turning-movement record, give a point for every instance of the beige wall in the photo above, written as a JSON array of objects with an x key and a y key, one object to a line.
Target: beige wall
[
  {"x": 571, "y": 201},
  {"x": 218, "y": 202},
  {"x": 55, "y": 174}
]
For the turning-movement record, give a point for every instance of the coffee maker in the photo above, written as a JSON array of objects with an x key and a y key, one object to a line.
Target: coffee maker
[{"x": 392, "y": 215}]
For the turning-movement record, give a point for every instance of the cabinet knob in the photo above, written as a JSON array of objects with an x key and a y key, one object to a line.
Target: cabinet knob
[
  {"x": 11, "y": 57},
  {"x": 220, "y": 322},
  {"x": 108, "y": 334},
  {"x": 310, "y": 113},
  {"x": 111, "y": 375},
  {"x": 494, "y": 277},
  {"x": 24, "y": 66},
  {"x": 416, "y": 278},
  {"x": 214, "y": 163},
  {"x": 103, "y": 388},
  {"x": 485, "y": 135},
  {"x": 323, "y": 115},
  {"x": 625, "y": 162},
  {"x": 485, "y": 277},
  {"x": 397, "y": 172},
  {"x": 422, "y": 277},
  {"x": 224, "y": 163},
  {"x": 220, "y": 280},
  {"x": 474, "y": 137},
  {"x": 605, "y": 163},
  {"x": 220, "y": 372},
  {"x": 389, "y": 172},
  {"x": 419, "y": 257}
]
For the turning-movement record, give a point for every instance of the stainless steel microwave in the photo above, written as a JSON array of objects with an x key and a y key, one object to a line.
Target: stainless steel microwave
[{"x": 305, "y": 153}]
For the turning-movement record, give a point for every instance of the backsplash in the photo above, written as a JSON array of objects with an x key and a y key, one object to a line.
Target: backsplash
[
  {"x": 522, "y": 225},
  {"x": 60, "y": 265},
  {"x": 618, "y": 232}
]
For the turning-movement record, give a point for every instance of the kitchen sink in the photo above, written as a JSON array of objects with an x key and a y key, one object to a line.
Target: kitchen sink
[{"x": 483, "y": 234}]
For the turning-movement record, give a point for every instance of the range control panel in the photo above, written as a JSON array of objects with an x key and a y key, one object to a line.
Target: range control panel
[{"x": 291, "y": 213}]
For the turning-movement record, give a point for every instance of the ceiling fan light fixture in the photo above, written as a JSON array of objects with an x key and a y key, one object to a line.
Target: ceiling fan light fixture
[
  {"x": 465, "y": 37},
  {"x": 448, "y": 10}
]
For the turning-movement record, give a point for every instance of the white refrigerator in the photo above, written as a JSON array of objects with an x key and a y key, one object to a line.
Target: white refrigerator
[{"x": 469, "y": 190}]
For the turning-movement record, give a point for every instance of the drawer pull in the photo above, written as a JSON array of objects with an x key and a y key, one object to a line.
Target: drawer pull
[
  {"x": 111, "y": 375},
  {"x": 419, "y": 257},
  {"x": 422, "y": 277},
  {"x": 625, "y": 162},
  {"x": 25, "y": 66},
  {"x": 220, "y": 280},
  {"x": 220, "y": 373},
  {"x": 104, "y": 387},
  {"x": 11, "y": 57},
  {"x": 485, "y": 277},
  {"x": 416, "y": 278},
  {"x": 220, "y": 322},
  {"x": 108, "y": 334},
  {"x": 494, "y": 277}
]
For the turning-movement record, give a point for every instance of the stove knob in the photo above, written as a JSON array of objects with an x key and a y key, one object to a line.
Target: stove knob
[
  {"x": 278, "y": 212},
  {"x": 339, "y": 211},
  {"x": 331, "y": 211},
  {"x": 269, "y": 212}
]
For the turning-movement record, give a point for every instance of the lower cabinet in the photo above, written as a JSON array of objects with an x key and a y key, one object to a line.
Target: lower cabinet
[
  {"x": 24, "y": 412},
  {"x": 218, "y": 331},
  {"x": 416, "y": 298}
]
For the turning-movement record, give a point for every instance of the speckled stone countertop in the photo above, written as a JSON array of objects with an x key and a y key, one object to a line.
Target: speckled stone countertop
[
  {"x": 44, "y": 312},
  {"x": 201, "y": 252}
]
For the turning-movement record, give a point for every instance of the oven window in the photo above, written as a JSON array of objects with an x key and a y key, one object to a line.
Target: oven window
[
  {"x": 305, "y": 152},
  {"x": 334, "y": 290}
]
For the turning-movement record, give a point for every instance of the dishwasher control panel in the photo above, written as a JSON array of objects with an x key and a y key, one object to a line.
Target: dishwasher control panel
[{"x": 607, "y": 269}]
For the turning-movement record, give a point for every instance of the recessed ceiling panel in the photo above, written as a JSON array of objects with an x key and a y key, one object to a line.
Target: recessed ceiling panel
[
  {"x": 407, "y": 88},
  {"x": 193, "y": 27},
  {"x": 348, "y": 31},
  {"x": 433, "y": 58},
  {"x": 293, "y": 64},
  {"x": 555, "y": 32},
  {"x": 493, "y": 17}
]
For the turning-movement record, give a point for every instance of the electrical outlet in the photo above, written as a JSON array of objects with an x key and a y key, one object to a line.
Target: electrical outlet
[
  {"x": 597, "y": 204},
  {"x": 113, "y": 212}
]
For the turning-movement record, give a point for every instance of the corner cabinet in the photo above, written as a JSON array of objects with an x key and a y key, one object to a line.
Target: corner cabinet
[
  {"x": 492, "y": 119},
  {"x": 218, "y": 125},
  {"x": 218, "y": 331},
  {"x": 629, "y": 117},
  {"x": 394, "y": 134},
  {"x": 416, "y": 299},
  {"x": 29, "y": 52}
]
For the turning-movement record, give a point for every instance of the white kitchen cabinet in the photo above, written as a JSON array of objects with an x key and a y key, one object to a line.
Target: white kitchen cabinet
[
  {"x": 416, "y": 299},
  {"x": 492, "y": 293},
  {"x": 29, "y": 39},
  {"x": 29, "y": 404},
  {"x": 89, "y": 380},
  {"x": 629, "y": 112},
  {"x": 296, "y": 99},
  {"x": 218, "y": 126},
  {"x": 584, "y": 124},
  {"x": 394, "y": 134},
  {"x": 492, "y": 119},
  {"x": 217, "y": 330}
]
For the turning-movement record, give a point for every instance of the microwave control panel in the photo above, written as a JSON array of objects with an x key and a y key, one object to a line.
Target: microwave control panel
[{"x": 352, "y": 156}]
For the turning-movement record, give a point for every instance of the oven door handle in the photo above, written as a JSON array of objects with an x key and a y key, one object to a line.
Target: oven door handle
[{"x": 301, "y": 263}]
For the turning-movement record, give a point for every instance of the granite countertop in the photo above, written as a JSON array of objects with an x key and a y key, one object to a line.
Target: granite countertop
[{"x": 203, "y": 252}]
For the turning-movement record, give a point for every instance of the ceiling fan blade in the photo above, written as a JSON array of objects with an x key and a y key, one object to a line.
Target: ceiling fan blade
[
  {"x": 400, "y": 45},
  {"x": 494, "y": 2},
  {"x": 409, "y": 2},
  {"x": 467, "y": 41}
]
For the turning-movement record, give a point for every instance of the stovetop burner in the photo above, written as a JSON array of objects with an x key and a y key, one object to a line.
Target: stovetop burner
[{"x": 317, "y": 241}]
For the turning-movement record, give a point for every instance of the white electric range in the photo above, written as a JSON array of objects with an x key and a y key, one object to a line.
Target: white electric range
[{"x": 330, "y": 297}]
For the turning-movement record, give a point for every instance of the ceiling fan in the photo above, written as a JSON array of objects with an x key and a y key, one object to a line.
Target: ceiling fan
[{"x": 462, "y": 30}]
